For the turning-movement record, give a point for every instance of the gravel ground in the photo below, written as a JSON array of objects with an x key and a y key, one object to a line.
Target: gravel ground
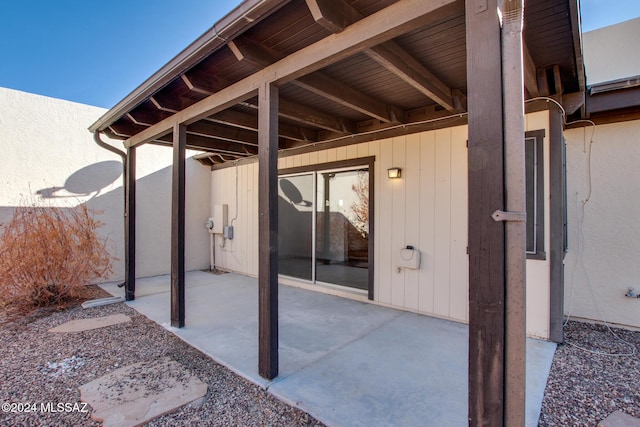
[
  {"x": 40, "y": 367},
  {"x": 587, "y": 386}
]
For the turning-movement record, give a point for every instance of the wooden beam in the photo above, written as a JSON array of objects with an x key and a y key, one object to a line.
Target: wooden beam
[
  {"x": 130, "y": 226},
  {"x": 178, "y": 226},
  {"x": 557, "y": 225},
  {"x": 543, "y": 82},
  {"x": 222, "y": 146},
  {"x": 486, "y": 236},
  {"x": 250, "y": 122},
  {"x": 530, "y": 75},
  {"x": 336, "y": 15},
  {"x": 268, "y": 231},
  {"x": 310, "y": 117},
  {"x": 557, "y": 80},
  {"x": 319, "y": 83},
  {"x": 399, "y": 18},
  {"x": 223, "y": 132}
]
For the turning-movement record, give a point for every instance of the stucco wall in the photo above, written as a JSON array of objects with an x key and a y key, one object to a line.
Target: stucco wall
[
  {"x": 611, "y": 53},
  {"x": 603, "y": 179},
  {"x": 49, "y": 157}
]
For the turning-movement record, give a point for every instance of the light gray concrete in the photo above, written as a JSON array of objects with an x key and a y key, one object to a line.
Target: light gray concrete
[{"x": 346, "y": 362}]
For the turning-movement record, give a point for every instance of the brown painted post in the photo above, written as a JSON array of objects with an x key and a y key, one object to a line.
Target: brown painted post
[
  {"x": 268, "y": 231},
  {"x": 486, "y": 195},
  {"x": 130, "y": 226},
  {"x": 557, "y": 226},
  {"x": 178, "y": 226}
]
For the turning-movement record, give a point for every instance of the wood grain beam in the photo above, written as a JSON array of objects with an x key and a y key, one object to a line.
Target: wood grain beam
[
  {"x": 178, "y": 205},
  {"x": 223, "y": 132},
  {"x": 336, "y": 15},
  {"x": 530, "y": 73},
  {"x": 310, "y": 116},
  {"x": 260, "y": 56},
  {"x": 130, "y": 226},
  {"x": 399, "y": 18},
  {"x": 250, "y": 122},
  {"x": 268, "y": 231}
]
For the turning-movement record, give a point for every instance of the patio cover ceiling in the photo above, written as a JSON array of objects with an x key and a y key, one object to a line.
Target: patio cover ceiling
[{"x": 402, "y": 78}]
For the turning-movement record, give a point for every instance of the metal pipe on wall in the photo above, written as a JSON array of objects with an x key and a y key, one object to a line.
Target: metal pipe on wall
[{"x": 515, "y": 202}]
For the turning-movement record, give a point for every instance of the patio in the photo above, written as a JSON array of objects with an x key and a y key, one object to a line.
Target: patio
[{"x": 343, "y": 361}]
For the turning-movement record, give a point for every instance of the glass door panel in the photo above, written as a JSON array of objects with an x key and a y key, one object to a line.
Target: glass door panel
[
  {"x": 342, "y": 228},
  {"x": 295, "y": 226}
]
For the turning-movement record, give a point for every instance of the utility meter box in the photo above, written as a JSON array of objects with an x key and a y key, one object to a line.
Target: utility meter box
[
  {"x": 219, "y": 219},
  {"x": 409, "y": 258}
]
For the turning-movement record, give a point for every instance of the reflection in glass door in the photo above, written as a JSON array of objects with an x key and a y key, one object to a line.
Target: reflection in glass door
[
  {"x": 324, "y": 227},
  {"x": 295, "y": 226},
  {"x": 342, "y": 228}
]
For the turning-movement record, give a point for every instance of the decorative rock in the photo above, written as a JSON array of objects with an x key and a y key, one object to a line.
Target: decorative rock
[
  {"x": 80, "y": 325},
  {"x": 138, "y": 393},
  {"x": 619, "y": 419}
]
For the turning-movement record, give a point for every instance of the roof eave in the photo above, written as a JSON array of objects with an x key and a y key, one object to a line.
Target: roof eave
[{"x": 245, "y": 15}]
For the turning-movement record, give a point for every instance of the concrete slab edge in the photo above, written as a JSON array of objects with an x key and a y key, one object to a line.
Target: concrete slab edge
[{"x": 101, "y": 301}]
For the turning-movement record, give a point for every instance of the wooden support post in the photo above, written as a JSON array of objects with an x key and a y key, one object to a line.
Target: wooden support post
[
  {"x": 130, "y": 226},
  {"x": 557, "y": 226},
  {"x": 268, "y": 230},
  {"x": 178, "y": 226},
  {"x": 486, "y": 195}
]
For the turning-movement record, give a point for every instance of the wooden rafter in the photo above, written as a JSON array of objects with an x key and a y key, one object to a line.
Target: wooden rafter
[
  {"x": 399, "y": 18},
  {"x": 319, "y": 83},
  {"x": 530, "y": 74},
  {"x": 336, "y": 15}
]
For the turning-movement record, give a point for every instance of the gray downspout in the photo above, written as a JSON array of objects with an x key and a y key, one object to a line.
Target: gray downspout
[
  {"x": 515, "y": 203},
  {"x": 123, "y": 155}
]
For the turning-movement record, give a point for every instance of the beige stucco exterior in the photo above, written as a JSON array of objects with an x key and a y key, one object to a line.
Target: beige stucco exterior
[
  {"x": 603, "y": 179},
  {"x": 49, "y": 157},
  {"x": 611, "y": 53}
]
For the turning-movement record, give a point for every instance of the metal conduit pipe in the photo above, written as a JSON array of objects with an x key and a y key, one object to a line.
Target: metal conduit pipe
[
  {"x": 515, "y": 205},
  {"x": 123, "y": 155}
]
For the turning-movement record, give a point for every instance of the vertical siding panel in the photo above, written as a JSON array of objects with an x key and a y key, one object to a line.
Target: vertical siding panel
[
  {"x": 397, "y": 221},
  {"x": 459, "y": 259},
  {"x": 374, "y": 150},
  {"x": 352, "y": 151},
  {"x": 427, "y": 221},
  {"x": 297, "y": 161},
  {"x": 383, "y": 227},
  {"x": 411, "y": 175},
  {"x": 332, "y": 155},
  {"x": 289, "y": 161},
  {"x": 322, "y": 156},
  {"x": 442, "y": 222},
  {"x": 363, "y": 149},
  {"x": 341, "y": 153},
  {"x": 281, "y": 163},
  {"x": 304, "y": 159},
  {"x": 254, "y": 219},
  {"x": 313, "y": 158}
]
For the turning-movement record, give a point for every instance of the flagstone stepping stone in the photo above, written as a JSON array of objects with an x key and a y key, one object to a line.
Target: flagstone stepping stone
[
  {"x": 619, "y": 419},
  {"x": 138, "y": 393},
  {"x": 80, "y": 325}
]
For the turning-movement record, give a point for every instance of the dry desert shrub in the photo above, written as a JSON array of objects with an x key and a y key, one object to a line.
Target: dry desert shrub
[{"x": 48, "y": 254}]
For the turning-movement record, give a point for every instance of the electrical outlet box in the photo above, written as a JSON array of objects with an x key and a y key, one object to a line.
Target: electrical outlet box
[
  {"x": 409, "y": 258},
  {"x": 228, "y": 232},
  {"x": 219, "y": 218}
]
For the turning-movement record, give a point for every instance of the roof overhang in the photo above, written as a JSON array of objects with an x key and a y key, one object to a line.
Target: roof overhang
[{"x": 347, "y": 71}]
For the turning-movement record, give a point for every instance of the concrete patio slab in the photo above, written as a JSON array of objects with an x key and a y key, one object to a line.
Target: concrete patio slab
[
  {"x": 346, "y": 362},
  {"x": 79, "y": 325},
  {"x": 138, "y": 393}
]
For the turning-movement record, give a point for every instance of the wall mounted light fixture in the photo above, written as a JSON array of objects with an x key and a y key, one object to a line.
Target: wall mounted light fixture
[{"x": 393, "y": 173}]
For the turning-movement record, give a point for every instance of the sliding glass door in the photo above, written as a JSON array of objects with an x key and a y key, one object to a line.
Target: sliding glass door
[{"x": 324, "y": 227}]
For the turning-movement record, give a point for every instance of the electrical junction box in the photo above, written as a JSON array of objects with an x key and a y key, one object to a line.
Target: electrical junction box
[
  {"x": 219, "y": 219},
  {"x": 228, "y": 232},
  {"x": 409, "y": 258}
]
